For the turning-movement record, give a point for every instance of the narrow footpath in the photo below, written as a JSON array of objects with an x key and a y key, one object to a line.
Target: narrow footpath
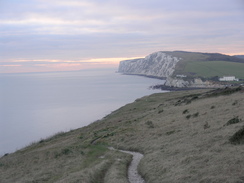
[{"x": 133, "y": 175}]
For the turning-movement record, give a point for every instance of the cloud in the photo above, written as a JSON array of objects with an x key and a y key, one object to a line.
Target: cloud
[
  {"x": 46, "y": 65},
  {"x": 10, "y": 65},
  {"x": 82, "y": 30}
]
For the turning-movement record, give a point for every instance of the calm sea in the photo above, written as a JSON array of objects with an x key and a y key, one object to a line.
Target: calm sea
[{"x": 38, "y": 105}]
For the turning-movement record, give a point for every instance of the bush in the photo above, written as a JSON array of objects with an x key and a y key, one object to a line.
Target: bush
[
  {"x": 150, "y": 124},
  {"x": 206, "y": 126},
  {"x": 170, "y": 132},
  {"x": 41, "y": 141},
  {"x": 235, "y": 102},
  {"x": 160, "y": 111},
  {"x": 196, "y": 114},
  {"x": 188, "y": 116},
  {"x": 66, "y": 151},
  {"x": 233, "y": 121},
  {"x": 185, "y": 111},
  {"x": 238, "y": 137}
]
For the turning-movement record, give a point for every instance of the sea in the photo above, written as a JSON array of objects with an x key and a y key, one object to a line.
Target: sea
[{"x": 35, "y": 106}]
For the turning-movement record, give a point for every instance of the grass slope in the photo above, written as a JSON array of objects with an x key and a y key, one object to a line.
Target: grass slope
[
  {"x": 187, "y": 136},
  {"x": 216, "y": 68},
  {"x": 208, "y": 64}
]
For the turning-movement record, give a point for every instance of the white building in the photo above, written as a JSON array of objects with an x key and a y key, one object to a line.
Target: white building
[
  {"x": 228, "y": 78},
  {"x": 181, "y": 76}
]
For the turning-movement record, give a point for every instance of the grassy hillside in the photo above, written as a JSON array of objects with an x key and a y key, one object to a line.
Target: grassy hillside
[
  {"x": 239, "y": 56},
  {"x": 187, "y": 136},
  {"x": 215, "y": 68},
  {"x": 208, "y": 64}
]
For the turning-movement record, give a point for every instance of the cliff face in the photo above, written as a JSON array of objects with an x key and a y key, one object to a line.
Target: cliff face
[
  {"x": 157, "y": 64},
  {"x": 162, "y": 65}
]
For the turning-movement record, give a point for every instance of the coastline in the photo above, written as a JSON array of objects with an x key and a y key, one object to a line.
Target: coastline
[
  {"x": 147, "y": 76},
  {"x": 172, "y": 88},
  {"x": 58, "y": 108},
  {"x": 164, "y": 87}
]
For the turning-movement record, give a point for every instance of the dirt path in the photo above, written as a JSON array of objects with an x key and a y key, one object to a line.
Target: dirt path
[{"x": 133, "y": 175}]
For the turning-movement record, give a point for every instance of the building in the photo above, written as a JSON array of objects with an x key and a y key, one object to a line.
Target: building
[
  {"x": 181, "y": 76},
  {"x": 228, "y": 78}
]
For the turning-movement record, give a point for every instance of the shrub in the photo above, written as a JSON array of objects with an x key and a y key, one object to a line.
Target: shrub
[
  {"x": 238, "y": 137},
  {"x": 149, "y": 124},
  {"x": 160, "y": 111},
  {"x": 185, "y": 111},
  {"x": 225, "y": 91},
  {"x": 41, "y": 141},
  {"x": 170, "y": 132},
  {"x": 206, "y": 126},
  {"x": 188, "y": 116},
  {"x": 233, "y": 121},
  {"x": 212, "y": 107},
  {"x": 235, "y": 102},
  {"x": 196, "y": 114},
  {"x": 66, "y": 151}
]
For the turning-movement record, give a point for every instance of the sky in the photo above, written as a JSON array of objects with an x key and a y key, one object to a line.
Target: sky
[{"x": 64, "y": 35}]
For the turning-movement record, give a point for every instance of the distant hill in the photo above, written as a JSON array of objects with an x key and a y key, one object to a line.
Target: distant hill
[
  {"x": 198, "y": 56},
  {"x": 239, "y": 56},
  {"x": 164, "y": 64},
  {"x": 207, "y": 65}
]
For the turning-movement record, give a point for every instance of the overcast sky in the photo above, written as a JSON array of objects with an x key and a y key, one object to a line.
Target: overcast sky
[{"x": 55, "y": 35}]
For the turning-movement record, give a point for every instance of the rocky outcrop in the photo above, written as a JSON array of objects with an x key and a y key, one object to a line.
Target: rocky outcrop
[
  {"x": 157, "y": 64},
  {"x": 192, "y": 83},
  {"x": 175, "y": 82}
]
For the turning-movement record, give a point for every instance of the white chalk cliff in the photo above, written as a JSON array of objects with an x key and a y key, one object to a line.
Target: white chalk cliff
[
  {"x": 157, "y": 64},
  {"x": 161, "y": 65}
]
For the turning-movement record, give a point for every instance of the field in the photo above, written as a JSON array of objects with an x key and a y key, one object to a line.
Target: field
[
  {"x": 186, "y": 136},
  {"x": 215, "y": 68}
]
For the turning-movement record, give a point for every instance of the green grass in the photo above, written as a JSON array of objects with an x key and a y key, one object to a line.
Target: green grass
[{"x": 215, "y": 68}]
